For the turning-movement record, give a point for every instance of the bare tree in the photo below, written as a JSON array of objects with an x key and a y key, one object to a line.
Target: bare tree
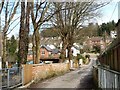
[
  {"x": 1, "y": 5},
  {"x": 70, "y": 20},
  {"x": 40, "y": 13},
  {"x": 8, "y": 19},
  {"x": 36, "y": 24},
  {"x": 24, "y": 32}
]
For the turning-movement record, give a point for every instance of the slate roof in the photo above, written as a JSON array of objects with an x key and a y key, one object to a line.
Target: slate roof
[
  {"x": 53, "y": 51},
  {"x": 47, "y": 48}
]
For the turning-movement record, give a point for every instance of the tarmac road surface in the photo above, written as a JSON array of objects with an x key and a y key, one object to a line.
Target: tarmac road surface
[{"x": 80, "y": 78}]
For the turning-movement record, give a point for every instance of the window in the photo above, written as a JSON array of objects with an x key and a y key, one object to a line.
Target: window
[{"x": 43, "y": 52}]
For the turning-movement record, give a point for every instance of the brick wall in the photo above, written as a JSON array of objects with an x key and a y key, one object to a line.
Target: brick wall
[
  {"x": 46, "y": 55},
  {"x": 48, "y": 70}
]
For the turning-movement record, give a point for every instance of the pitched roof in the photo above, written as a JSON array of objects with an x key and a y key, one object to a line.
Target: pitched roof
[
  {"x": 47, "y": 48},
  {"x": 53, "y": 51}
]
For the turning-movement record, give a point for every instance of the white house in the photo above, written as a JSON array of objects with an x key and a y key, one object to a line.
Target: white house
[
  {"x": 113, "y": 34},
  {"x": 75, "y": 51}
]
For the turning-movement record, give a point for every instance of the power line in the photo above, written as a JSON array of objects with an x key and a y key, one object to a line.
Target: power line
[{"x": 113, "y": 12}]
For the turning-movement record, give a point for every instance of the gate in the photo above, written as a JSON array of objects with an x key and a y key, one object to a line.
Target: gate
[
  {"x": 108, "y": 78},
  {"x": 10, "y": 77}
]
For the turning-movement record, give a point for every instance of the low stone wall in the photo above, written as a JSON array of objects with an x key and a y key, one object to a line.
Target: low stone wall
[{"x": 48, "y": 70}]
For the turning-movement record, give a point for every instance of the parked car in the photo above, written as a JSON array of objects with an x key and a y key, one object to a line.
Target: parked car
[
  {"x": 31, "y": 62},
  {"x": 14, "y": 69}
]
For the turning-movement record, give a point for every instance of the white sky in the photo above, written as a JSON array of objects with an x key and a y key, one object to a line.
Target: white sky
[
  {"x": 110, "y": 12},
  {"x": 106, "y": 16}
]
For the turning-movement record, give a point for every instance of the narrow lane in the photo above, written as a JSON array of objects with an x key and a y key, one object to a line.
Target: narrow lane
[{"x": 80, "y": 78}]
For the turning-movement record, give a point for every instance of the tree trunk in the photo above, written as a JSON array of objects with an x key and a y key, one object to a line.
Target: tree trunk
[
  {"x": 4, "y": 37},
  {"x": 22, "y": 44},
  {"x": 26, "y": 40},
  {"x": 69, "y": 53},
  {"x": 63, "y": 51},
  {"x": 33, "y": 47},
  {"x": 37, "y": 47},
  {"x": 4, "y": 51},
  {"x": 24, "y": 33}
]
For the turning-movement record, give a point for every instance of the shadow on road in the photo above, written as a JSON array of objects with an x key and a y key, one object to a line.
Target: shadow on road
[{"x": 86, "y": 82}]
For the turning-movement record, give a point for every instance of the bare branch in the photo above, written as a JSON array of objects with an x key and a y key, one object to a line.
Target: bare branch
[
  {"x": 7, "y": 22},
  {"x": 2, "y": 6},
  {"x": 14, "y": 12}
]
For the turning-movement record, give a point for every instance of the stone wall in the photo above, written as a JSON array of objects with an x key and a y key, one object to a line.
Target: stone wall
[{"x": 48, "y": 70}]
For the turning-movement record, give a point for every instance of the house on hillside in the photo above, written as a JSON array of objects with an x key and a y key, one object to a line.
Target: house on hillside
[
  {"x": 100, "y": 42},
  {"x": 76, "y": 49},
  {"x": 94, "y": 41},
  {"x": 46, "y": 54},
  {"x": 50, "y": 36}
]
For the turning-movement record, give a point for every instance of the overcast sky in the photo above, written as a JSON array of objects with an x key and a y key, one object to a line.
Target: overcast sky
[{"x": 107, "y": 15}]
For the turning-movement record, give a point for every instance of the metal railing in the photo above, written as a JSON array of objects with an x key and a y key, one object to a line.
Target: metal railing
[
  {"x": 10, "y": 77},
  {"x": 108, "y": 78}
]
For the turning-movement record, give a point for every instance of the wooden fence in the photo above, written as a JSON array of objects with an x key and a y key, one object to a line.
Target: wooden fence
[
  {"x": 27, "y": 74},
  {"x": 108, "y": 78}
]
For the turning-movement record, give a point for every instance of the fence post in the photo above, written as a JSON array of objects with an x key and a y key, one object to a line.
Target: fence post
[
  {"x": 104, "y": 79},
  {"x": 1, "y": 79},
  {"x": 116, "y": 83},
  {"x": 99, "y": 80},
  {"x": 22, "y": 76},
  {"x": 8, "y": 77}
]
